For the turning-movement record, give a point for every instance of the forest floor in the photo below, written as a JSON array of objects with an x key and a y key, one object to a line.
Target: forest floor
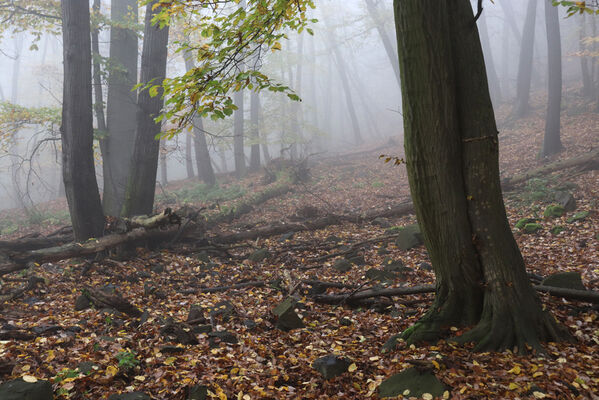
[{"x": 92, "y": 353}]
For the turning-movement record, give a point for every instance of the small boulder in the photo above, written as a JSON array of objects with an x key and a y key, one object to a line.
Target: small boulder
[
  {"x": 379, "y": 275},
  {"x": 391, "y": 265},
  {"x": 224, "y": 336},
  {"x": 523, "y": 221},
  {"x": 202, "y": 256},
  {"x": 425, "y": 266},
  {"x": 412, "y": 382},
  {"x": 82, "y": 303},
  {"x": 345, "y": 321},
  {"x": 86, "y": 367},
  {"x": 331, "y": 366},
  {"x": 197, "y": 392},
  {"x": 286, "y": 236},
  {"x": 357, "y": 260},
  {"x": 199, "y": 329},
  {"x": 382, "y": 222},
  {"x": 342, "y": 265},
  {"x": 409, "y": 237},
  {"x": 566, "y": 280},
  {"x": 554, "y": 211},
  {"x": 224, "y": 309},
  {"x": 196, "y": 315},
  {"x": 532, "y": 228},
  {"x": 259, "y": 255},
  {"x": 579, "y": 216},
  {"x": 333, "y": 239},
  {"x": 287, "y": 318},
  {"x": 129, "y": 396},
  {"x": 18, "y": 389},
  {"x": 157, "y": 268},
  {"x": 557, "y": 229},
  {"x": 566, "y": 200}
]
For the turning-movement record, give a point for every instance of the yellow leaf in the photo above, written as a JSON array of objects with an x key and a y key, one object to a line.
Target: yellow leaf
[
  {"x": 537, "y": 374},
  {"x": 276, "y": 46},
  {"x": 539, "y": 395},
  {"x": 26, "y": 368},
  {"x": 515, "y": 370},
  {"x": 140, "y": 378},
  {"x": 29, "y": 378},
  {"x": 436, "y": 364},
  {"x": 51, "y": 356},
  {"x": 352, "y": 367},
  {"x": 446, "y": 394},
  {"x": 513, "y": 386},
  {"x": 170, "y": 361},
  {"x": 427, "y": 396},
  {"x": 111, "y": 370}
]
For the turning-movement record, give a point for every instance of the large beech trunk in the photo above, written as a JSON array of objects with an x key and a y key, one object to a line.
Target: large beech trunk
[
  {"x": 452, "y": 160},
  {"x": 77, "y": 131}
]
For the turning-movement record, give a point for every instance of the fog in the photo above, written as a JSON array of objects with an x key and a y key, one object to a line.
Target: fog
[{"x": 344, "y": 66}]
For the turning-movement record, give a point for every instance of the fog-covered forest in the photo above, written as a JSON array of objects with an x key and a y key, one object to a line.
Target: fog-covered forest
[{"x": 299, "y": 199}]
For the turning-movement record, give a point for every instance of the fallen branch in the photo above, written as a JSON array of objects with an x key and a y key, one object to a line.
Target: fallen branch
[
  {"x": 31, "y": 284},
  {"x": 235, "y": 286},
  {"x": 102, "y": 300},
  {"x": 585, "y": 162}
]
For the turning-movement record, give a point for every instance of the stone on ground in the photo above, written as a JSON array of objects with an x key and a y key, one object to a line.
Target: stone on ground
[
  {"x": 566, "y": 280},
  {"x": 129, "y": 396},
  {"x": 287, "y": 318},
  {"x": 409, "y": 237},
  {"x": 413, "y": 380},
  {"x": 18, "y": 389},
  {"x": 331, "y": 366}
]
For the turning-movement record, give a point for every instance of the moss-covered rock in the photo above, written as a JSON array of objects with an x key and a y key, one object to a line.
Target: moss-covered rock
[
  {"x": 342, "y": 265},
  {"x": 554, "y": 211},
  {"x": 567, "y": 280},
  {"x": 579, "y": 216},
  {"x": 412, "y": 383},
  {"x": 557, "y": 229},
  {"x": 523, "y": 221},
  {"x": 532, "y": 228},
  {"x": 409, "y": 237},
  {"x": 259, "y": 255}
]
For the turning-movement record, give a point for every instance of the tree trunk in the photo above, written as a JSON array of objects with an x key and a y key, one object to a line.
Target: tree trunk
[
  {"x": 255, "y": 132},
  {"x": 97, "y": 80},
  {"x": 238, "y": 127},
  {"x": 521, "y": 107},
  {"x": 494, "y": 85},
  {"x": 189, "y": 157},
  {"x": 120, "y": 105},
  {"x": 551, "y": 142},
  {"x": 452, "y": 159},
  {"x": 510, "y": 19},
  {"x": 141, "y": 188},
  {"x": 203, "y": 163},
  {"x": 587, "y": 78},
  {"x": 384, "y": 35},
  {"x": 77, "y": 123},
  {"x": 163, "y": 165}
]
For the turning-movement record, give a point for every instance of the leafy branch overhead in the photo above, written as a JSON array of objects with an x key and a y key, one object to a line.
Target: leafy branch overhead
[{"x": 228, "y": 44}]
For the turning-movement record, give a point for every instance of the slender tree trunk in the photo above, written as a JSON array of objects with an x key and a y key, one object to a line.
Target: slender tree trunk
[
  {"x": 163, "y": 164},
  {"x": 120, "y": 105},
  {"x": 505, "y": 63},
  {"x": 587, "y": 78},
  {"x": 238, "y": 139},
  {"x": 264, "y": 139},
  {"x": 255, "y": 132},
  {"x": 141, "y": 188},
  {"x": 522, "y": 106},
  {"x": 551, "y": 142},
  {"x": 189, "y": 157},
  {"x": 339, "y": 62},
  {"x": 390, "y": 49},
  {"x": 494, "y": 85},
  {"x": 97, "y": 80},
  {"x": 77, "y": 123},
  {"x": 510, "y": 19},
  {"x": 453, "y": 168},
  {"x": 19, "y": 195}
]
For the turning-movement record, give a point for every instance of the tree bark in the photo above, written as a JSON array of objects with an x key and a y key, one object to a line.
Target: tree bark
[
  {"x": 238, "y": 139},
  {"x": 255, "y": 131},
  {"x": 551, "y": 142},
  {"x": 453, "y": 168},
  {"x": 141, "y": 188},
  {"x": 189, "y": 157},
  {"x": 77, "y": 124},
  {"x": 587, "y": 77},
  {"x": 390, "y": 49},
  {"x": 120, "y": 105},
  {"x": 522, "y": 106}
]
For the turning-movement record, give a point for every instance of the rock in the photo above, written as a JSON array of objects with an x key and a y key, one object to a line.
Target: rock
[
  {"x": 342, "y": 265},
  {"x": 557, "y": 229},
  {"x": 287, "y": 318},
  {"x": 567, "y": 280},
  {"x": 554, "y": 211},
  {"x": 82, "y": 303},
  {"x": 532, "y": 228},
  {"x": 157, "y": 268},
  {"x": 18, "y": 389},
  {"x": 382, "y": 222},
  {"x": 333, "y": 239},
  {"x": 409, "y": 237},
  {"x": 109, "y": 289},
  {"x": 178, "y": 333},
  {"x": 224, "y": 336},
  {"x": 202, "y": 329},
  {"x": 286, "y": 236},
  {"x": 417, "y": 382},
  {"x": 197, "y": 392},
  {"x": 391, "y": 265},
  {"x": 523, "y": 221},
  {"x": 331, "y": 366},
  {"x": 382, "y": 251},
  {"x": 86, "y": 367},
  {"x": 345, "y": 321},
  {"x": 129, "y": 396},
  {"x": 425, "y": 266},
  {"x": 172, "y": 350},
  {"x": 392, "y": 230},
  {"x": 566, "y": 200},
  {"x": 250, "y": 324},
  {"x": 46, "y": 329},
  {"x": 196, "y": 315},
  {"x": 357, "y": 260},
  {"x": 379, "y": 275},
  {"x": 259, "y": 255},
  {"x": 224, "y": 309},
  {"x": 579, "y": 216},
  {"x": 202, "y": 256}
]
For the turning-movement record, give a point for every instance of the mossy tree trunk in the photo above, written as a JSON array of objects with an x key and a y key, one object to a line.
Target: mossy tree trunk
[{"x": 452, "y": 159}]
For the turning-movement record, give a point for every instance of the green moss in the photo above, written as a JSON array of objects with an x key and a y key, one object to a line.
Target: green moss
[
  {"x": 523, "y": 221},
  {"x": 579, "y": 216},
  {"x": 554, "y": 211},
  {"x": 532, "y": 227},
  {"x": 557, "y": 229}
]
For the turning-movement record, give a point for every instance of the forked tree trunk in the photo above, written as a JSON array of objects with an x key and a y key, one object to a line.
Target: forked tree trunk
[
  {"x": 452, "y": 159},
  {"x": 390, "y": 50},
  {"x": 551, "y": 142},
  {"x": 77, "y": 129},
  {"x": 141, "y": 187},
  {"x": 521, "y": 106},
  {"x": 120, "y": 105}
]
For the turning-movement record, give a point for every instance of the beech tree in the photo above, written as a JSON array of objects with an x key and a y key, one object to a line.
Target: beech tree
[
  {"x": 77, "y": 130},
  {"x": 521, "y": 107},
  {"x": 451, "y": 151}
]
